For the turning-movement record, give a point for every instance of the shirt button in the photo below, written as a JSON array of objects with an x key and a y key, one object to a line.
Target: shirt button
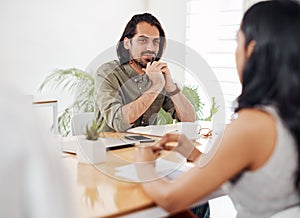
[
  {"x": 135, "y": 80},
  {"x": 142, "y": 122},
  {"x": 140, "y": 88}
]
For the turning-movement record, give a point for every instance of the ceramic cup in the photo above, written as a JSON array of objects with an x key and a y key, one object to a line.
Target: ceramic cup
[{"x": 190, "y": 129}]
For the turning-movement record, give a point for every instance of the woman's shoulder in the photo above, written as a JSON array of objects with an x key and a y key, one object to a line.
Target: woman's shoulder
[
  {"x": 253, "y": 127},
  {"x": 255, "y": 130},
  {"x": 254, "y": 119}
]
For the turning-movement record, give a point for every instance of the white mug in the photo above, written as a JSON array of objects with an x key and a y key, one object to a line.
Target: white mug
[{"x": 190, "y": 129}]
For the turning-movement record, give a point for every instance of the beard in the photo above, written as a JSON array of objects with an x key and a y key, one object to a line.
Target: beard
[
  {"x": 143, "y": 62},
  {"x": 140, "y": 63}
]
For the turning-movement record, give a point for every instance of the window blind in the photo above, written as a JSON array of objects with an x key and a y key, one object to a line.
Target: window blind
[{"x": 211, "y": 31}]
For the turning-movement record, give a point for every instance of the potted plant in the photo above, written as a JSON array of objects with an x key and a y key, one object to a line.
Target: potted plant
[
  {"x": 76, "y": 82},
  {"x": 91, "y": 150}
]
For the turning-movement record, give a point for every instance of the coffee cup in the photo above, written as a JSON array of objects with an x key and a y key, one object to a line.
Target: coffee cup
[{"x": 190, "y": 129}]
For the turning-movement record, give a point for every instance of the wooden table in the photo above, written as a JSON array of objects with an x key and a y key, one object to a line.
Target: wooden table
[{"x": 99, "y": 193}]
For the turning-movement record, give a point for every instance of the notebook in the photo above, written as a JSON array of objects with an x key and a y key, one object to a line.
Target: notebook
[{"x": 70, "y": 144}]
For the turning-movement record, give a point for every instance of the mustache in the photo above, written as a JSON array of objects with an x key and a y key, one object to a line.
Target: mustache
[{"x": 149, "y": 53}]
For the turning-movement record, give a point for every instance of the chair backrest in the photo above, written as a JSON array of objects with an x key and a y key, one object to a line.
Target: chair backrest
[
  {"x": 79, "y": 122},
  {"x": 293, "y": 212}
]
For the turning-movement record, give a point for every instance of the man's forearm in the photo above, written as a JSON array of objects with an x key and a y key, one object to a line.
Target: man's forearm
[
  {"x": 184, "y": 109},
  {"x": 132, "y": 111}
]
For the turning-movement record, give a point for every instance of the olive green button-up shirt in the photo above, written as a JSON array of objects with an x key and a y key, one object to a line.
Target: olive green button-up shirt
[{"x": 117, "y": 85}]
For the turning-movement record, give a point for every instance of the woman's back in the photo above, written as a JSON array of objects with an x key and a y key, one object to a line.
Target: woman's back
[
  {"x": 269, "y": 189},
  {"x": 258, "y": 154}
]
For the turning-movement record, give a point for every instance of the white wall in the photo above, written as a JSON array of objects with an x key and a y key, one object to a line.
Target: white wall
[
  {"x": 249, "y": 3},
  {"x": 38, "y": 36},
  {"x": 172, "y": 15}
]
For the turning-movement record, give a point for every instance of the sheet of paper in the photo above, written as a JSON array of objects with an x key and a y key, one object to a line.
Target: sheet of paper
[
  {"x": 163, "y": 167},
  {"x": 154, "y": 130}
]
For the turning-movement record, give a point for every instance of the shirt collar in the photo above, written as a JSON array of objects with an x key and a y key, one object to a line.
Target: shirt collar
[{"x": 132, "y": 73}]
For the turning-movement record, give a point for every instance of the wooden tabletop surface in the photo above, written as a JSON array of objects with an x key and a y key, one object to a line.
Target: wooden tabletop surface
[{"x": 97, "y": 189}]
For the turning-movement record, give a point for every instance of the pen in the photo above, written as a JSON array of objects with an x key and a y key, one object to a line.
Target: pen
[{"x": 152, "y": 59}]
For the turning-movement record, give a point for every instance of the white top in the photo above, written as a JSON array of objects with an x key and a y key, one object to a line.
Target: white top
[{"x": 269, "y": 189}]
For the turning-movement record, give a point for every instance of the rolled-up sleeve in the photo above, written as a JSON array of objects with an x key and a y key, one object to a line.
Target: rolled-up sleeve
[{"x": 108, "y": 100}]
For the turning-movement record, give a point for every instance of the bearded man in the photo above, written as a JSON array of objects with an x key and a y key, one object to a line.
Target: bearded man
[{"x": 129, "y": 92}]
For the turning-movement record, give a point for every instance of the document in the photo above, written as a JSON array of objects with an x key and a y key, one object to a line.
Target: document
[
  {"x": 154, "y": 130},
  {"x": 164, "y": 168}
]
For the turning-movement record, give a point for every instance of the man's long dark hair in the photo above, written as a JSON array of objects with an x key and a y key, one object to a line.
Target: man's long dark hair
[
  {"x": 271, "y": 76},
  {"x": 130, "y": 31}
]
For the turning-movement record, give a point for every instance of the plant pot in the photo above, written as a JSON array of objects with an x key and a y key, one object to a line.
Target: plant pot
[{"x": 90, "y": 152}]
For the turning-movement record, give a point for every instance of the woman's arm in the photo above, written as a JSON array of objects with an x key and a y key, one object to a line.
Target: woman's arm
[{"x": 245, "y": 145}]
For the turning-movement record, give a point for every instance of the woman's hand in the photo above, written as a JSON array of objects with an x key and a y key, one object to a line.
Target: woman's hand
[
  {"x": 146, "y": 153},
  {"x": 145, "y": 157},
  {"x": 184, "y": 146}
]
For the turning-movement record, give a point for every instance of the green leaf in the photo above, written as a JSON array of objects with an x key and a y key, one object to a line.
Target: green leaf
[
  {"x": 164, "y": 117},
  {"x": 191, "y": 93},
  {"x": 92, "y": 131},
  {"x": 214, "y": 109},
  {"x": 72, "y": 81}
]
